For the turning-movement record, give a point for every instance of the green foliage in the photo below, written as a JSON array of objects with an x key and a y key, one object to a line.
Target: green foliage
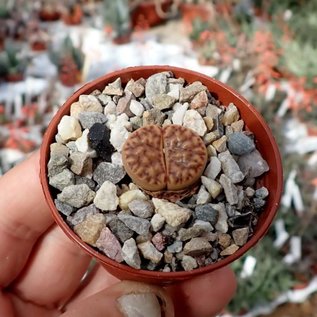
[
  {"x": 11, "y": 61},
  {"x": 117, "y": 15},
  {"x": 198, "y": 26},
  {"x": 270, "y": 278},
  {"x": 68, "y": 50},
  {"x": 300, "y": 59}
]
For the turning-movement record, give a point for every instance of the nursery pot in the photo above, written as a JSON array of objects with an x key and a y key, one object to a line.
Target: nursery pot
[
  {"x": 146, "y": 12},
  {"x": 49, "y": 16},
  {"x": 266, "y": 144}
]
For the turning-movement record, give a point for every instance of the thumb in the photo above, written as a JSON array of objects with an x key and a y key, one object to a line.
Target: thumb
[{"x": 125, "y": 299}]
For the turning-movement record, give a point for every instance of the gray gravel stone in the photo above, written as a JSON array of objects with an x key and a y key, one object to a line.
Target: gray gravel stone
[
  {"x": 88, "y": 119},
  {"x": 157, "y": 222},
  {"x": 203, "y": 196},
  {"x": 213, "y": 187},
  {"x": 57, "y": 149},
  {"x": 205, "y": 226},
  {"x": 130, "y": 254},
  {"x": 230, "y": 189},
  {"x": 249, "y": 192},
  {"x": 188, "y": 263},
  {"x": 189, "y": 92},
  {"x": 108, "y": 243},
  {"x": 163, "y": 101},
  {"x": 252, "y": 164},
  {"x": 258, "y": 203},
  {"x": 175, "y": 247},
  {"x": 81, "y": 214},
  {"x": 231, "y": 115},
  {"x": 104, "y": 99},
  {"x": 139, "y": 225},
  {"x": 85, "y": 180},
  {"x": 197, "y": 247},
  {"x": 153, "y": 116},
  {"x": 123, "y": 105},
  {"x": 222, "y": 223},
  {"x": 156, "y": 85},
  {"x": 240, "y": 144},
  {"x": 213, "y": 168},
  {"x": 261, "y": 192},
  {"x": 56, "y": 165},
  {"x": 72, "y": 147},
  {"x": 173, "y": 214},
  {"x": 213, "y": 111},
  {"x": 149, "y": 252},
  {"x": 62, "y": 180},
  {"x": 230, "y": 167},
  {"x": 108, "y": 172},
  {"x": 240, "y": 236},
  {"x": 141, "y": 208},
  {"x": 231, "y": 210},
  {"x": 136, "y": 122},
  {"x": 192, "y": 232},
  {"x": 77, "y": 195},
  {"x": 136, "y": 87},
  {"x": 80, "y": 163},
  {"x": 120, "y": 230},
  {"x": 114, "y": 88},
  {"x": 207, "y": 213},
  {"x": 64, "y": 208}
]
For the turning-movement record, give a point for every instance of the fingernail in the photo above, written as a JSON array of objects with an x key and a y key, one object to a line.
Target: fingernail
[{"x": 139, "y": 305}]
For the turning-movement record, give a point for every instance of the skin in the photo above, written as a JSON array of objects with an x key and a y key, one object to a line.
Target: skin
[{"x": 41, "y": 269}]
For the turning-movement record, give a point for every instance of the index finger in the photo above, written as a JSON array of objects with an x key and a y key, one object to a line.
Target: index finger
[{"x": 24, "y": 217}]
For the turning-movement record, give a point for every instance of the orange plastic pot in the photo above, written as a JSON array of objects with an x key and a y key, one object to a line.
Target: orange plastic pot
[{"x": 266, "y": 144}]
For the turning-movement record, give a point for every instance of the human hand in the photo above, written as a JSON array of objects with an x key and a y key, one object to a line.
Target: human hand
[{"x": 41, "y": 269}]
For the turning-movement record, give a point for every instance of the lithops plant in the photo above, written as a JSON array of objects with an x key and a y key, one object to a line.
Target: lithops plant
[{"x": 166, "y": 162}]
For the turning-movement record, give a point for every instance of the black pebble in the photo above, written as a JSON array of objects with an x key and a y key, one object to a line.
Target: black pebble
[
  {"x": 99, "y": 140},
  {"x": 240, "y": 221}
]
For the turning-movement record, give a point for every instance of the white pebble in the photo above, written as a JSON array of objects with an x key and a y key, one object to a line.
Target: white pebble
[
  {"x": 110, "y": 108},
  {"x": 179, "y": 113},
  {"x": 193, "y": 120},
  {"x": 136, "y": 108},
  {"x": 69, "y": 128},
  {"x": 106, "y": 197}
]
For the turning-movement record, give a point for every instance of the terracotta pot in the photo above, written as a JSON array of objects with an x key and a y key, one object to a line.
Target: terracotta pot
[
  {"x": 70, "y": 79},
  {"x": 74, "y": 17},
  {"x": 266, "y": 144},
  {"x": 122, "y": 39},
  {"x": 38, "y": 46},
  {"x": 49, "y": 16},
  {"x": 145, "y": 13},
  {"x": 15, "y": 77}
]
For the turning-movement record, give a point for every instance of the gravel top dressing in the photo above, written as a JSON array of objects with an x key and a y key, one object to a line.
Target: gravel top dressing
[{"x": 157, "y": 174}]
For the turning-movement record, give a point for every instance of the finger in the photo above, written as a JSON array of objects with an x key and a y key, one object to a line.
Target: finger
[
  {"x": 24, "y": 216},
  {"x": 6, "y": 307},
  {"x": 125, "y": 299},
  {"x": 97, "y": 280},
  {"x": 54, "y": 271},
  {"x": 13, "y": 306},
  {"x": 205, "y": 295}
]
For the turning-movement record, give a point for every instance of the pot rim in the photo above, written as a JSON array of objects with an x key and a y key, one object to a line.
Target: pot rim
[{"x": 44, "y": 156}]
